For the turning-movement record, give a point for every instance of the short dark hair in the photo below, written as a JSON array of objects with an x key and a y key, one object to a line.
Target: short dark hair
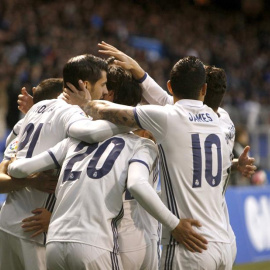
[
  {"x": 83, "y": 67},
  {"x": 187, "y": 78},
  {"x": 110, "y": 60},
  {"x": 48, "y": 89},
  {"x": 216, "y": 86},
  {"x": 127, "y": 91}
]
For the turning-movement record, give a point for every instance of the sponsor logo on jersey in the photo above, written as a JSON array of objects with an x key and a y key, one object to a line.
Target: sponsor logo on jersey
[
  {"x": 14, "y": 146},
  {"x": 231, "y": 133}
]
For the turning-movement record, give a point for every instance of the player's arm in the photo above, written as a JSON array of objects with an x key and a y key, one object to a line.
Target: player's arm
[
  {"x": 21, "y": 168},
  {"x": 244, "y": 164},
  {"x": 95, "y": 131},
  {"x": 47, "y": 160},
  {"x": 102, "y": 109},
  {"x": 152, "y": 92},
  {"x": 123, "y": 60},
  {"x": 142, "y": 191},
  {"x": 149, "y": 117},
  {"x": 8, "y": 184}
]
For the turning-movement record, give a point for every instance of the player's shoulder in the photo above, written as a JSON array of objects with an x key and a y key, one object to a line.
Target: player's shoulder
[
  {"x": 136, "y": 140},
  {"x": 222, "y": 111},
  {"x": 224, "y": 115}
]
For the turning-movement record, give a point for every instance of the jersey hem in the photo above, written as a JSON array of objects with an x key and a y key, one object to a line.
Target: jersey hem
[{"x": 22, "y": 237}]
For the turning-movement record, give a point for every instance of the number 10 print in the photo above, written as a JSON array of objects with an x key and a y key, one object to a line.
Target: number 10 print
[{"x": 210, "y": 163}]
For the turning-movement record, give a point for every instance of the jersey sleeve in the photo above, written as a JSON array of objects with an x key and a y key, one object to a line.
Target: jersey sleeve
[
  {"x": 59, "y": 151},
  {"x": 152, "y": 118},
  {"x": 47, "y": 160},
  {"x": 70, "y": 115},
  {"x": 146, "y": 153},
  {"x": 147, "y": 197},
  {"x": 14, "y": 133},
  {"x": 11, "y": 149},
  {"x": 154, "y": 94},
  {"x": 94, "y": 131}
]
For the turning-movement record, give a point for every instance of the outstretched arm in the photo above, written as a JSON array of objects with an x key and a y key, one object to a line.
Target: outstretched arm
[
  {"x": 142, "y": 191},
  {"x": 152, "y": 92},
  {"x": 95, "y": 131},
  {"x": 123, "y": 60},
  {"x": 26, "y": 166},
  {"x": 149, "y": 117}
]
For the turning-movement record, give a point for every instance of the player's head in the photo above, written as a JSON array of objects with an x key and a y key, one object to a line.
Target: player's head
[
  {"x": 48, "y": 89},
  {"x": 91, "y": 70},
  {"x": 122, "y": 88},
  {"x": 187, "y": 78},
  {"x": 216, "y": 86}
]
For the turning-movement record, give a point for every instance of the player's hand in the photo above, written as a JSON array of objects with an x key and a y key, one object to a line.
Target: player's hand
[
  {"x": 185, "y": 235},
  {"x": 123, "y": 60},
  {"x": 75, "y": 97},
  {"x": 38, "y": 223},
  {"x": 245, "y": 164},
  {"x": 45, "y": 182},
  {"x": 25, "y": 101}
]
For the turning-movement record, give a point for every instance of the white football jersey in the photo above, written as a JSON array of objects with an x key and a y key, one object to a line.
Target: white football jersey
[
  {"x": 90, "y": 187},
  {"x": 131, "y": 233},
  {"x": 229, "y": 131},
  {"x": 227, "y": 127},
  {"x": 45, "y": 124},
  {"x": 14, "y": 133},
  {"x": 191, "y": 146},
  {"x": 137, "y": 227}
]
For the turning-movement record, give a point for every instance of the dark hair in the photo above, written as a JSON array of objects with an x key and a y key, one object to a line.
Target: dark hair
[
  {"x": 83, "y": 67},
  {"x": 127, "y": 91},
  {"x": 48, "y": 89},
  {"x": 110, "y": 60},
  {"x": 187, "y": 78},
  {"x": 216, "y": 86}
]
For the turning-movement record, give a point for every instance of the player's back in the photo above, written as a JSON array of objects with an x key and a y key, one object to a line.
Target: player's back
[
  {"x": 192, "y": 167},
  {"x": 44, "y": 125},
  {"x": 90, "y": 188}
]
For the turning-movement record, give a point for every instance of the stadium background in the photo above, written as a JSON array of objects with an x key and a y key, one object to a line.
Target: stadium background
[{"x": 37, "y": 37}]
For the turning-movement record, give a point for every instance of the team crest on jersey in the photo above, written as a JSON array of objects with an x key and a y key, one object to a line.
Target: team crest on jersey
[
  {"x": 14, "y": 146},
  {"x": 231, "y": 133}
]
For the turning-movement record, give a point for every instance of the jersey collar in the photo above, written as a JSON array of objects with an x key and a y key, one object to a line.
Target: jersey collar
[{"x": 190, "y": 102}]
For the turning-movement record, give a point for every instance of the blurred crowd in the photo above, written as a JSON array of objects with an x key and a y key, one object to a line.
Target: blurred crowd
[{"x": 37, "y": 37}]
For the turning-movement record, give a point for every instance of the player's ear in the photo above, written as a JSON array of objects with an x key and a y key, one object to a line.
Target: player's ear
[
  {"x": 169, "y": 86},
  {"x": 86, "y": 84}
]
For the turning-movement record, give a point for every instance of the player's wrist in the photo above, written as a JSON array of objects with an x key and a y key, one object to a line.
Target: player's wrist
[{"x": 139, "y": 74}]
